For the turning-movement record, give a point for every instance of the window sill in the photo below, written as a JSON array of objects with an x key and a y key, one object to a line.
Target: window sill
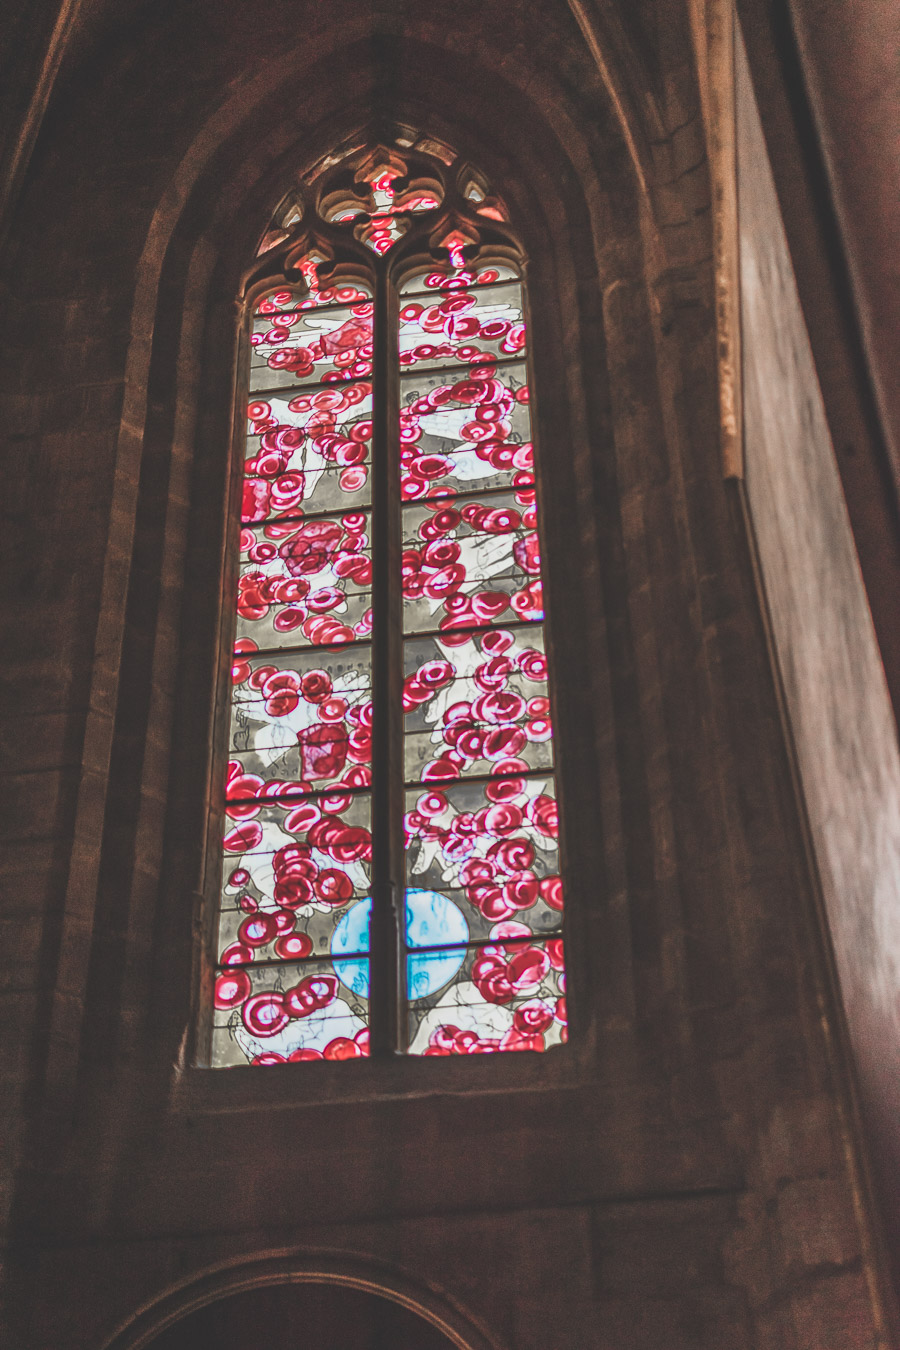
[{"x": 289, "y": 1086}]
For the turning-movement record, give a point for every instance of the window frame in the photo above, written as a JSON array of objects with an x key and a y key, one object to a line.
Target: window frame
[{"x": 414, "y": 253}]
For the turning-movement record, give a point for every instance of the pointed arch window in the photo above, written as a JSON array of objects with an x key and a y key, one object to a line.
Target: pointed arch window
[{"x": 391, "y": 878}]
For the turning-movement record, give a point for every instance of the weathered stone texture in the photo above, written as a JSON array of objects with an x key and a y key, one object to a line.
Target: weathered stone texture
[{"x": 684, "y": 1174}]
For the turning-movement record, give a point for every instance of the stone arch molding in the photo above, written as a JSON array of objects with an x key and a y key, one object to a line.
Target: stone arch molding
[
  {"x": 281, "y": 74},
  {"x": 182, "y": 255},
  {"x": 293, "y": 1268}
]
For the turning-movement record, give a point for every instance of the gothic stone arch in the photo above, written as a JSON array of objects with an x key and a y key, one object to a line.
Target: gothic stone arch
[{"x": 664, "y": 1161}]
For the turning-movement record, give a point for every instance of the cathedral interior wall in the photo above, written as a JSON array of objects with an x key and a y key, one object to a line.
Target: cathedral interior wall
[{"x": 690, "y": 1170}]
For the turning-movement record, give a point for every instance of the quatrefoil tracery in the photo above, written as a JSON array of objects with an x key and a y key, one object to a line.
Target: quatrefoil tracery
[{"x": 421, "y": 194}]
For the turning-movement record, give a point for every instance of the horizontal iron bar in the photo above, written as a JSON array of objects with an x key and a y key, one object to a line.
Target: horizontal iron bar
[
  {"x": 441, "y": 785},
  {"x": 498, "y": 362},
  {"x": 478, "y": 943},
  {"x": 475, "y": 945},
  {"x": 312, "y": 959}
]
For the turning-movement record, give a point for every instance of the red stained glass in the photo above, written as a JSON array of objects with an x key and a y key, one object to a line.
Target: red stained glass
[
  {"x": 306, "y": 581},
  {"x": 322, "y": 344},
  {"x": 285, "y": 1013},
  {"x": 460, "y": 279},
  {"x": 471, "y": 563},
  {"x": 384, "y": 222},
  {"x": 507, "y": 995},
  {"x": 466, "y": 427},
  {"x": 483, "y": 944},
  {"x": 481, "y": 832},
  {"x": 477, "y": 707},
  {"x": 478, "y": 324},
  {"x": 303, "y": 718}
]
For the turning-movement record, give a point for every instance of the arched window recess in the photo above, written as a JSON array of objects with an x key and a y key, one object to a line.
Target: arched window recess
[{"x": 391, "y": 879}]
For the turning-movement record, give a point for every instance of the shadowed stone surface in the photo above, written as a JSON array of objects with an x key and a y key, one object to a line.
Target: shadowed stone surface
[{"x": 686, "y": 1172}]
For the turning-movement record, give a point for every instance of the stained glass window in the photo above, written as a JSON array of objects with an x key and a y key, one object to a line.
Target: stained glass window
[{"x": 391, "y": 878}]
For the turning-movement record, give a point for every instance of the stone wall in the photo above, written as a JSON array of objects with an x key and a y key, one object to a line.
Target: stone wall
[
  {"x": 683, "y": 1172},
  {"x": 836, "y": 697}
]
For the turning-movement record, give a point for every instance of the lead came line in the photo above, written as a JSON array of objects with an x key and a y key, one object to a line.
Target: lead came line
[{"x": 316, "y": 833}]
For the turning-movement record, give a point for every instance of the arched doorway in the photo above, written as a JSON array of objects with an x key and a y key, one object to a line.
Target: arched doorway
[{"x": 305, "y": 1316}]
